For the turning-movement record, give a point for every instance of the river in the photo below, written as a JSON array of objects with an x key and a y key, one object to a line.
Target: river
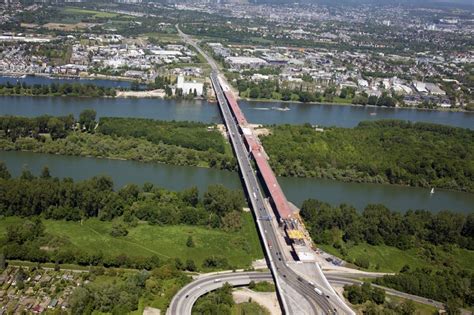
[
  {"x": 297, "y": 189},
  {"x": 256, "y": 112}
]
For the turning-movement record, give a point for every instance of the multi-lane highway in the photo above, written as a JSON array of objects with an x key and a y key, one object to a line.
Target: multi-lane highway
[
  {"x": 282, "y": 273},
  {"x": 183, "y": 301},
  {"x": 296, "y": 295}
]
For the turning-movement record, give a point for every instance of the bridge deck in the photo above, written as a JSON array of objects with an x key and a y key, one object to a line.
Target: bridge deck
[{"x": 271, "y": 182}]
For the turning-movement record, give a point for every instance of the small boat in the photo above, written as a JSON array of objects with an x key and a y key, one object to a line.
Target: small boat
[
  {"x": 373, "y": 114},
  {"x": 261, "y": 108},
  {"x": 432, "y": 191},
  {"x": 281, "y": 109}
]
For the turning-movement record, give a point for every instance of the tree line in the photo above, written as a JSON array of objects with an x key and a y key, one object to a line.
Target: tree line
[
  {"x": 57, "y": 89},
  {"x": 377, "y": 225},
  {"x": 372, "y": 300},
  {"x": 51, "y": 198},
  {"x": 442, "y": 279},
  {"x": 451, "y": 286},
  {"x": 385, "y": 151}
]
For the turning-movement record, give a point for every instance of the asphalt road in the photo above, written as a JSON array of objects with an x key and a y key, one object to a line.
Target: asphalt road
[
  {"x": 281, "y": 271},
  {"x": 183, "y": 301},
  {"x": 282, "y": 274}
]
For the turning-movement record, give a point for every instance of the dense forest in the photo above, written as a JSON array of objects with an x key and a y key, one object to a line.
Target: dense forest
[
  {"x": 45, "y": 197},
  {"x": 343, "y": 227},
  {"x": 385, "y": 151},
  {"x": 377, "y": 225},
  {"x": 168, "y": 141},
  {"x": 191, "y": 135},
  {"x": 56, "y": 89},
  {"x": 451, "y": 286}
]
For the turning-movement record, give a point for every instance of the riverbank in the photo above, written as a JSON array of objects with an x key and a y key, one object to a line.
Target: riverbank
[{"x": 57, "y": 76}]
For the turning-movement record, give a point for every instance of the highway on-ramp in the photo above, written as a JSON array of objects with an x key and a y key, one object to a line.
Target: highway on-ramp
[{"x": 184, "y": 300}]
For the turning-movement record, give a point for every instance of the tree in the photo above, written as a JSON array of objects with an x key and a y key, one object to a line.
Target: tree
[
  {"x": 372, "y": 100},
  {"x": 26, "y": 174},
  {"x": 406, "y": 308},
  {"x": 190, "y": 241},
  {"x": 3, "y": 262},
  {"x": 4, "y": 173},
  {"x": 45, "y": 173},
  {"x": 56, "y": 266},
  {"x": 190, "y": 196},
  {"x": 378, "y": 296},
  {"x": 254, "y": 92},
  {"x": 118, "y": 230},
  {"x": 362, "y": 262},
  {"x": 190, "y": 265},
  {"x": 453, "y": 307},
  {"x": 56, "y": 128},
  {"x": 87, "y": 119},
  {"x": 221, "y": 200}
]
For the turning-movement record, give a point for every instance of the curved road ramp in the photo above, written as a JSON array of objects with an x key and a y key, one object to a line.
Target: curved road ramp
[{"x": 182, "y": 303}]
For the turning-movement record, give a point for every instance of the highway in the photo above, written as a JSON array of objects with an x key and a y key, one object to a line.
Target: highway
[
  {"x": 282, "y": 273},
  {"x": 292, "y": 289},
  {"x": 183, "y": 301}
]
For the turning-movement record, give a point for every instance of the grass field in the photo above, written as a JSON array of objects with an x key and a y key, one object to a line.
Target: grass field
[
  {"x": 97, "y": 14},
  {"x": 240, "y": 248},
  {"x": 392, "y": 259}
]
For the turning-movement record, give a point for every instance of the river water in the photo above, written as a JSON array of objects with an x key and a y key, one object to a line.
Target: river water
[
  {"x": 256, "y": 112},
  {"x": 177, "y": 177},
  {"x": 296, "y": 189}
]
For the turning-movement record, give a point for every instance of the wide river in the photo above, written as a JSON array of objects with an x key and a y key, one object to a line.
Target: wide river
[
  {"x": 296, "y": 189},
  {"x": 256, "y": 112},
  {"x": 176, "y": 177}
]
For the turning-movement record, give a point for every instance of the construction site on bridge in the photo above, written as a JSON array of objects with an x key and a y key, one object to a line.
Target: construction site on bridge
[{"x": 287, "y": 214}]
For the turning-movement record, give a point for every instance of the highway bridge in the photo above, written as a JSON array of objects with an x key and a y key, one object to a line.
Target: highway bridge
[{"x": 297, "y": 295}]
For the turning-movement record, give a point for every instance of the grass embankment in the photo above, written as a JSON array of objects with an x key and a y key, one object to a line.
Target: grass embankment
[
  {"x": 385, "y": 151},
  {"x": 392, "y": 259},
  {"x": 240, "y": 248}
]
